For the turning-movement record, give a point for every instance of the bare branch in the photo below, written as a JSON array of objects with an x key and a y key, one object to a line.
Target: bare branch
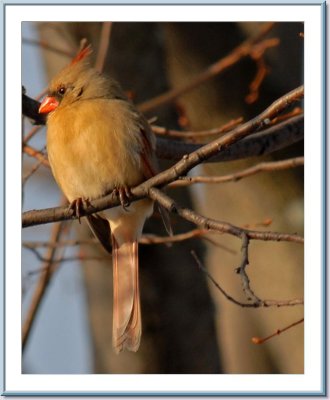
[
  {"x": 32, "y": 152},
  {"x": 269, "y": 140},
  {"x": 263, "y": 303},
  {"x": 222, "y": 227},
  {"x": 257, "y": 340},
  {"x": 241, "y": 270},
  {"x": 221, "y": 65},
  {"x": 261, "y": 167},
  {"x": 34, "y": 168},
  {"x": 161, "y": 131},
  {"x": 265, "y": 142},
  {"x": 146, "y": 239},
  {"x": 179, "y": 169},
  {"x": 228, "y": 297},
  {"x": 254, "y": 86},
  {"x": 61, "y": 260},
  {"x": 30, "y": 109}
]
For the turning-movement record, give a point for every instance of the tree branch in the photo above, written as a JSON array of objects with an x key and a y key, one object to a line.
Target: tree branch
[
  {"x": 261, "y": 167},
  {"x": 30, "y": 109},
  {"x": 218, "y": 67},
  {"x": 269, "y": 140},
  {"x": 32, "y": 152},
  {"x": 179, "y": 169},
  {"x": 263, "y": 303},
  {"x": 258, "y": 340},
  {"x": 265, "y": 142},
  {"x": 219, "y": 226},
  {"x": 241, "y": 271},
  {"x": 161, "y": 131}
]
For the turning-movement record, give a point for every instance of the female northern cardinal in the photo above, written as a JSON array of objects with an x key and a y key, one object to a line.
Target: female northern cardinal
[{"x": 97, "y": 141}]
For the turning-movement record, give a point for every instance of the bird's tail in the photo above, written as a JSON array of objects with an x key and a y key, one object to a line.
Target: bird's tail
[{"x": 126, "y": 305}]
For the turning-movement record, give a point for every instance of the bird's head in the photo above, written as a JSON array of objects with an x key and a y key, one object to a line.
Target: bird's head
[
  {"x": 68, "y": 86},
  {"x": 78, "y": 81}
]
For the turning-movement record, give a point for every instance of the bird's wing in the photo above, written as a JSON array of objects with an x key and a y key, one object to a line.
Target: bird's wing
[
  {"x": 101, "y": 229},
  {"x": 149, "y": 166}
]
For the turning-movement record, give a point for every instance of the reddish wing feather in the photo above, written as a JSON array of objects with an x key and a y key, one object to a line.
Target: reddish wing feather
[{"x": 150, "y": 170}]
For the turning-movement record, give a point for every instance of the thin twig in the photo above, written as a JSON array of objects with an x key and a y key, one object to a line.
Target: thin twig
[
  {"x": 269, "y": 166},
  {"x": 146, "y": 239},
  {"x": 262, "y": 143},
  {"x": 254, "y": 86},
  {"x": 60, "y": 260},
  {"x": 257, "y": 340},
  {"x": 153, "y": 239},
  {"x": 32, "y": 152},
  {"x": 263, "y": 303},
  {"x": 62, "y": 243},
  {"x": 216, "y": 284},
  {"x": 161, "y": 131},
  {"x": 34, "y": 168},
  {"x": 221, "y": 65},
  {"x": 222, "y": 227},
  {"x": 241, "y": 270}
]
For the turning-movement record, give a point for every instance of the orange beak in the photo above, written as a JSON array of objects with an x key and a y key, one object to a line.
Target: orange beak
[{"x": 48, "y": 104}]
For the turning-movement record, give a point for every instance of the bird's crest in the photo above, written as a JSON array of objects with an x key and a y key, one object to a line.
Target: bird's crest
[{"x": 82, "y": 54}]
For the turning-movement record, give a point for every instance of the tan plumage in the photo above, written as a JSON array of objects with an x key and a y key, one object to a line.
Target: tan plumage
[{"x": 98, "y": 141}]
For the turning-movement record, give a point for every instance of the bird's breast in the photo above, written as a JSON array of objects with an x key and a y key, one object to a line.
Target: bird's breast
[{"x": 94, "y": 147}]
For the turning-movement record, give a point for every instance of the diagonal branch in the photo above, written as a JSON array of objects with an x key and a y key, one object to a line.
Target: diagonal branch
[
  {"x": 262, "y": 303},
  {"x": 274, "y": 138},
  {"x": 32, "y": 152},
  {"x": 265, "y": 142},
  {"x": 219, "y": 226},
  {"x": 179, "y": 169},
  {"x": 221, "y": 65},
  {"x": 236, "y": 176}
]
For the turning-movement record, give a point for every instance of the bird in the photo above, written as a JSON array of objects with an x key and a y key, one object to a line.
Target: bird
[{"x": 98, "y": 142}]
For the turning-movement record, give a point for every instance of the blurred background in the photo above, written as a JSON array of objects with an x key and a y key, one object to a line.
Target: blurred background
[{"x": 188, "y": 326}]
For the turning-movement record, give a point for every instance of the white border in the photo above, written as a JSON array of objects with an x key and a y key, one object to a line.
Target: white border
[{"x": 308, "y": 382}]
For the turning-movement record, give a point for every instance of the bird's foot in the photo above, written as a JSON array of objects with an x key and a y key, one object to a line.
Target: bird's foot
[
  {"x": 78, "y": 205},
  {"x": 124, "y": 194}
]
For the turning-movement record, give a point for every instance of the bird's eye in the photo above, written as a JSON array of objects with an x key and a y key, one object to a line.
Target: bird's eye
[{"x": 61, "y": 90}]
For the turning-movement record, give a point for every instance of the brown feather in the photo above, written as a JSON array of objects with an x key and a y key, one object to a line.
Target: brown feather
[
  {"x": 101, "y": 229},
  {"x": 127, "y": 325},
  {"x": 150, "y": 169}
]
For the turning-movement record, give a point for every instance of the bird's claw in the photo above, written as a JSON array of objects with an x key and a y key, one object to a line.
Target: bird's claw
[
  {"x": 124, "y": 194},
  {"x": 77, "y": 205}
]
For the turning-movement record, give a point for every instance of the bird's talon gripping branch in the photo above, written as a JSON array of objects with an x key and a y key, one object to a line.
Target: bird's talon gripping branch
[
  {"x": 77, "y": 205},
  {"x": 124, "y": 194}
]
